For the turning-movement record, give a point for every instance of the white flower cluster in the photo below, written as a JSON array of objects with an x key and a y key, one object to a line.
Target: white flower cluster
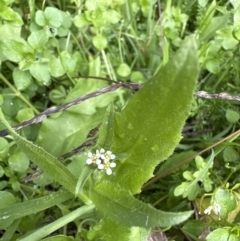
[{"x": 103, "y": 160}]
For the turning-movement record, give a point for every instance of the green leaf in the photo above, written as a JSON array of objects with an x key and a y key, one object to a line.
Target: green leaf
[
  {"x": 56, "y": 67},
  {"x": 6, "y": 200},
  {"x": 24, "y": 114},
  {"x": 113, "y": 16},
  {"x": 22, "y": 79},
  {"x": 225, "y": 200},
  {"x": 149, "y": 127},
  {"x": 11, "y": 17},
  {"x": 18, "y": 162},
  {"x": 230, "y": 154},
  {"x": 232, "y": 116},
  {"x": 124, "y": 70},
  {"x": 213, "y": 65},
  {"x": 80, "y": 21},
  {"x": 26, "y": 208},
  {"x": 14, "y": 50},
  {"x": 110, "y": 230},
  {"x": 118, "y": 204},
  {"x": 74, "y": 129},
  {"x": 38, "y": 39},
  {"x": 43, "y": 159},
  {"x": 53, "y": 17},
  {"x": 222, "y": 234},
  {"x": 40, "y": 18},
  {"x": 3, "y": 148},
  {"x": 41, "y": 72},
  {"x": 100, "y": 42}
]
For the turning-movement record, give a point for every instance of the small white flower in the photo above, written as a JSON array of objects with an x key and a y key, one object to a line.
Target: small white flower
[
  {"x": 93, "y": 158},
  {"x": 107, "y": 166},
  {"x": 107, "y": 156},
  {"x": 208, "y": 210}
]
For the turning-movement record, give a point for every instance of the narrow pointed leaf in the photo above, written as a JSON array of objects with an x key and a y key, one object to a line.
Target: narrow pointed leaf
[{"x": 118, "y": 204}]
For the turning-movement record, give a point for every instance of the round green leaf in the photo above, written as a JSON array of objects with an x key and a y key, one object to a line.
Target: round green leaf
[
  {"x": 24, "y": 114},
  {"x": 100, "y": 42},
  {"x": 81, "y": 21},
  {"x": 38, "y": 39},
  {"x": 53, "y": 17},
  {"x": 232, "y": 116},
  {"x": 230, "y": 154},
  {"x": 222, "y": 234},
  {"x": 56, "y": 67},
  {"x": 41, "y": 72},
  {"x": 22, "y": 79},
  {"x": 213, "y": 65},
  {"x": 224, "y": 201},
  {"x": 137, "y": 76},
  {"x": 6, "y": 199},
  {"x": 124, "y": 70},
  {"x": 40, "y": 18},
  {"x": 3, "y": 148},
  {"x": 18, "y": 162},
  {"x": 113, "y": 16}
]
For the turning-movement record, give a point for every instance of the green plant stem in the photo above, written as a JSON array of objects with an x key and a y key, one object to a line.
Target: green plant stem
[
  {"x": 18, "y": 94},
  {"x": 48, "y": 229}
]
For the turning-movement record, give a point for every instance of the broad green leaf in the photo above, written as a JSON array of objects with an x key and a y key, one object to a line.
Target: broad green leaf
[
  {"x": 222, "y": 234},
  {"x": 53, "y": 17},
  {"x": 118, "y": 204},
  {"x": 110, "y": 230},
  {"x": 113, "y": 16},
  {"x": 56, "y": 67},
  {"x": 213, "y": 65},
  {"x": 225, "y": 200},
  {"x": 100, "y": 42},
  {"x": 18, "y": 162},
  {"x": 6, "y": 201},
  {"x": 22, "y": 79},
  {"x": 24, "y": 114},
  {"x": 74, "y": 129},
  {"x": 26, "y": 208},
  {"x": 14, "y": 50},
  {"x": 11, "y": 17},
  {"x": 232, "y": 116},
  {"x": 38, "y": 39},
  {"x": 41, "y": 72},
  {"x": 43, "y": 159},
  {"x": 230, "y": 154},
  {"x": 149, "y": 127},
  {"x": 124, "y": 70},
  {"x": 81, "y": 21},
  {"x": 69, "y": 64}
]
